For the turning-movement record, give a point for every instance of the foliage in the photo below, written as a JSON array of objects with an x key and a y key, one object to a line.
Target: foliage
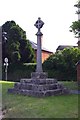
[
  {"x": 62, "y": 64},
  {"x": 70, "y": 85},
  {"x": 15, "y": 57},
  {"x": 15, "y": 44},
  {"x": 75, "y": 28},
  {"x": 18, "y": 71}
]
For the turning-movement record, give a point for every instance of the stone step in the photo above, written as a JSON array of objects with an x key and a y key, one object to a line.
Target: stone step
[
  {"x": 24, "y": 80},
  {"x": 39, "y": 88},
  {"x": 39, "y": 81},
  {"x": 30, "y": 86},
  {"x": 41, "y": 93},
  {"x": 39, "y": 75},
  {"x": 36, "y": 93}
]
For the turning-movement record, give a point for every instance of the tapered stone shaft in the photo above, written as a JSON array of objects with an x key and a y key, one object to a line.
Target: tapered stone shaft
[
  {"x": 39, "y": 24},
  {"x": 39, "y": 54}
]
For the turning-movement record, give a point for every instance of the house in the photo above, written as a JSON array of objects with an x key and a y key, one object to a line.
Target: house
[
  {"x": 45, "y": 53},
  {"x": 61, "y": 47}
]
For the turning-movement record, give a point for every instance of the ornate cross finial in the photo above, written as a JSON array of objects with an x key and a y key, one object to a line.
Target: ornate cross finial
[{"x": 39, "y": 23}]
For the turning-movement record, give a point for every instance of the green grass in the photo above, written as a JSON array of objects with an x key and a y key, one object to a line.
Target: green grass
[
  {"x": 18, "y": 106},
  {"x": 71, "y": 85}
]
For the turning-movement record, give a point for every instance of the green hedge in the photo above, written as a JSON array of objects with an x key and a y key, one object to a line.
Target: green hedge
[
  {"x": 61, "y": 75},
  {"x": 18, "y": 71}
]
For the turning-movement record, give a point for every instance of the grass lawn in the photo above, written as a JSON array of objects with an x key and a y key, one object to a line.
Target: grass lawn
[
  {"x": 71, "y": 85},
  {"x": 18, "y": 106}
]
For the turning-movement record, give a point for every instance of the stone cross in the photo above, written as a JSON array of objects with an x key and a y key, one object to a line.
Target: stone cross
[
  {"x": 39, "y": 85},
  {"x": 39, "y": 24}
]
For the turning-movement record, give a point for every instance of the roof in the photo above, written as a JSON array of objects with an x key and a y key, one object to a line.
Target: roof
[
  {"x": 61, "y": 47},
  {"x": 34, "y": 46}
]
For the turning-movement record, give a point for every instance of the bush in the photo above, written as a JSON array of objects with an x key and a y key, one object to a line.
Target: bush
[
  {"x": 62, "y": 64},
  {"x": 18, "y": 71}
]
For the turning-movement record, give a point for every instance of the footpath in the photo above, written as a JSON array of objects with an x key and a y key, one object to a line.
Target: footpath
[{"x": 75, "y": 91}]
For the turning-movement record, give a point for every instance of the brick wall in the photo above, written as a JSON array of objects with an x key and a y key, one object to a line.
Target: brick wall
[
  {"x": 78, "y": 71},
  {"x": 45, "y": 55}
]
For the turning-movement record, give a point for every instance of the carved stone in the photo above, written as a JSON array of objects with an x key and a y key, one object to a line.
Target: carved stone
[
  {"x": 39, "y": 85},
  {"x": 38, "y": 88}
]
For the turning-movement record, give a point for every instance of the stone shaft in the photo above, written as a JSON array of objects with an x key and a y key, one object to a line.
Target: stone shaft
[{"x": 39, "y": 54}]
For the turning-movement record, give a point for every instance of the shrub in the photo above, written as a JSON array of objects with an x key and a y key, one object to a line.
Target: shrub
[
  {"x": 18, "y": 71},
  {"x": 61, "y": 65}
]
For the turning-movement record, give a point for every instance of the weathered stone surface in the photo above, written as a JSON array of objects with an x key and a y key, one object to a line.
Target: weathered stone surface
[
  {"x": 39, "y": 81},
  {"x": 25, "y": 80},
  {"x": 38, "y": 88},
  {"x": 39, "y": 75}
]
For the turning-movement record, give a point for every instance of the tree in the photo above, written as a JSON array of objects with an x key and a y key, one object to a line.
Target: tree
[
  {"x": 16, "y": 47},
  {"x": 75, "y": 27},
  {"x": 63, "y": 63},
  {"x": 26, "y": 51}
]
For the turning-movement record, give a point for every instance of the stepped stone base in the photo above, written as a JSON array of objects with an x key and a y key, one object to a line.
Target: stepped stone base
[
  {"x": 37, "y": 75},
  {"x": 39, "y": 86}
]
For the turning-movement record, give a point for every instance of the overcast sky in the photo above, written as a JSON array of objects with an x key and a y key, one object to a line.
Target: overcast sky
[{"x": 57, "y": 15}]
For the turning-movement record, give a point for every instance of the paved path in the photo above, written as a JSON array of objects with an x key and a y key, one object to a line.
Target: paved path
[{"x": 75, "y": 91}]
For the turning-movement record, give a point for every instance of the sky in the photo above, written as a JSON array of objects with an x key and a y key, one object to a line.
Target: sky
[{"x": 57, "y": 15}]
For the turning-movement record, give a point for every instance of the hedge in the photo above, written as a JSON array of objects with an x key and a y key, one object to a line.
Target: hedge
[{"x": 18, "y": 71}]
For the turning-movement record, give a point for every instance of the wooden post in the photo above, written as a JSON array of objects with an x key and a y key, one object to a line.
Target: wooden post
[{"x": 78, "y": 71}]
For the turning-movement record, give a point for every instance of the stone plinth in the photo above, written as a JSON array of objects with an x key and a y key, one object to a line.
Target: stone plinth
[
  {"x": 38, "y": 88},
  {"x": 39, "y": 75}
]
